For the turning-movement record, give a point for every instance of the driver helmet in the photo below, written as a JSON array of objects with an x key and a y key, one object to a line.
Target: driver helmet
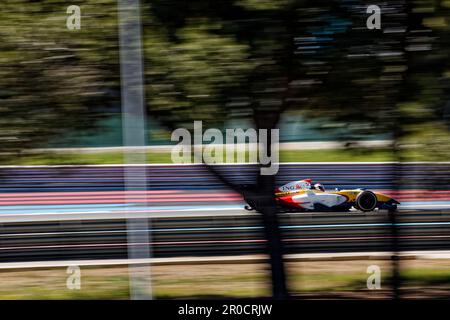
[{"x": 319, "y": 186}]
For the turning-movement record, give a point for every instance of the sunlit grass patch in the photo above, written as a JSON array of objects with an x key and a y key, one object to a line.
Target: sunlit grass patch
[{"x": 115, "y": 157}]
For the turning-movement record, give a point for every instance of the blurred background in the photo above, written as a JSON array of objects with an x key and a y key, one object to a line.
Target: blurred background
[{"x": 356, "y": 108}]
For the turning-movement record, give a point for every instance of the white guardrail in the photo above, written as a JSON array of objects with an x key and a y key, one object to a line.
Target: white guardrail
[
  {"x": 249, "y": 259},
  {"x": 304, "y": 145}
]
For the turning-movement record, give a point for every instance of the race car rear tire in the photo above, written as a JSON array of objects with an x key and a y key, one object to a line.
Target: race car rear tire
[{"x": 366, "y": 201}]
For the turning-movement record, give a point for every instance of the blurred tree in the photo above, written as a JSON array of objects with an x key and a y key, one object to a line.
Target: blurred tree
[
  {"x": 52, "y": 79},
  {"x": 254, "y": 58},
  {"x": 257, "y": 59},
  {"x": 219, "y": 60},
  {"x": 232, "y": 59}
]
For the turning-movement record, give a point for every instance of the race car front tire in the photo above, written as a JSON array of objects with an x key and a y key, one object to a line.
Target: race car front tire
[{"x": 366, "y": 201}]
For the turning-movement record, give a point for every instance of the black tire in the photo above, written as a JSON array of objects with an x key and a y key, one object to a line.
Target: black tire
[{"x": 366, "y": 201}]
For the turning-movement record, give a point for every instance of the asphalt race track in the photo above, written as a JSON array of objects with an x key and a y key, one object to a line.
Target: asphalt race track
[
  {"x": 223, "y": 235},
  {"x": 376, "y": 175},
  {"x": 72, "y": 212}
]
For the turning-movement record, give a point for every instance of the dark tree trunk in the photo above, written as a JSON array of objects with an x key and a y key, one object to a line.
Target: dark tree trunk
[
  {"x": 273, "y": 236},
  {"x": 395, "y": 261},
  {"x": 267, "y": 207}
]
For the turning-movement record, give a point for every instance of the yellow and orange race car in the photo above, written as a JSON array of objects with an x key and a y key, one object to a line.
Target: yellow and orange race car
[{"x": 303, "y": 195}]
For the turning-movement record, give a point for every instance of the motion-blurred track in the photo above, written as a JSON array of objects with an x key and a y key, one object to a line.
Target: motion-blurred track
[
  {"x": 375, "y": 175},
  {"x": 77, "y": 212},
  {"x": 222, "y": 235}
]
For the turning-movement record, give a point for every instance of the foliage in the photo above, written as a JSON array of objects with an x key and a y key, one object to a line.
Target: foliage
[{"x": 216, "y": 61}]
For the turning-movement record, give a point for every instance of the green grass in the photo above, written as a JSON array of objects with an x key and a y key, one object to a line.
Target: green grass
[
  {"x": 50, "y": 284},
  {"x": 209, "y": 281},
  {"x": 113, "y": 283},
  {"x": 427, "y": 277},
  {"x": 360, "y": 155},
  {"x": 331, "y": 155}
]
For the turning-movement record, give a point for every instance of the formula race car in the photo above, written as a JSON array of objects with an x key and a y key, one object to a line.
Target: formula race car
[{"x": 303, "y": 195}]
